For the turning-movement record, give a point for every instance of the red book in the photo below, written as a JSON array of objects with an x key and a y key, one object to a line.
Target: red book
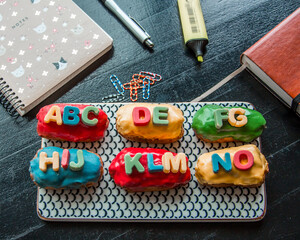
[{"x": 275, "y": 60}]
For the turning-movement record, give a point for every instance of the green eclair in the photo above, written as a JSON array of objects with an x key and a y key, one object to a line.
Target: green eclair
[{"x": 213, "y": 123}]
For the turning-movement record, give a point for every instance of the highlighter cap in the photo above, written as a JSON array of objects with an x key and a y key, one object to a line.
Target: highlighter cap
[{"x": 198, "y": 47}]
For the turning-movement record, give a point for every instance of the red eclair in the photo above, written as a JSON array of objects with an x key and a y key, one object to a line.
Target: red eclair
[
  {"x": 149, "y": 169},
  {"x": 72, "y": 122}
]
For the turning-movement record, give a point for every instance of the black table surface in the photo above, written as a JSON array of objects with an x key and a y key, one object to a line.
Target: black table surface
[{"x": 232, "y": 27}]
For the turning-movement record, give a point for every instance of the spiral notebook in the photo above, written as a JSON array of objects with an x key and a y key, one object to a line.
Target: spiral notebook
[{"x": 43, "y": 45}]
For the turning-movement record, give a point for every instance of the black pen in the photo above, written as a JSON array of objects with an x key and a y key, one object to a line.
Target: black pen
[{"x": 137, "y": 30}]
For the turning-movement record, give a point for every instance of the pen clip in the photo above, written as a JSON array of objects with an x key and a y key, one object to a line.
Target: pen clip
[{"x": 137, "y": 23}]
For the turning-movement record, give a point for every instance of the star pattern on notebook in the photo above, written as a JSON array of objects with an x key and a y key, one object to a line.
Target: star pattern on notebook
[
  {"x": 45, "y": 73},
  {"x": 45, "y": 37},
  {"x": 14, "y": 14},
  {"x": 51, "y": 3},
  {"x": 2, "y": 28},
  {"x": 74, "y": 51},
  {"x": 21, "y": 90},
  {"x": 64, "y": 40},
  {"x": 28, "y": 65},
  {"x": 10, "y": 43},
  {"x": 55, "y": 19},
  {"x": 73, "y": 16},
  {"x": 37, "y": 13},
  {"x": 22, "y": 52},
  {"x": 39, "y": 58},
  {"x": 3, "y": 67}
]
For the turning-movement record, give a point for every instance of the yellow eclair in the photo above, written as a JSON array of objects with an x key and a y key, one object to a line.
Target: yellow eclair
[
  {"x": 240, "y": 166},
  {"x": 152, "y": 123}
]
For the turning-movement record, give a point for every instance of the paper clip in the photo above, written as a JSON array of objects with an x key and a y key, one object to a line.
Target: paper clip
[
  {"x": 115, "y": 85},
  {"x": 143, "y": 80},
  {"x": 139, "y": 79},
  {"x": 144, "y": 88},
  {"x": 156, "y": 77},
  {"x": 133, "y": 90},
  {"x": 113, "y": 98}
]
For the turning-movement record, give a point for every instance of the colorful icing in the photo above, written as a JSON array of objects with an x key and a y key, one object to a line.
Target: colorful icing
[
  {"x": 174, "y": 164},
  {"x": 216, "y": 160},
  {"x": 133, "y": 162},
  {"x": 141, "y": 116},
  {"x": 160, "y": 115},
  {"x": 151, "y": 166},
  {"x": 85, "y": 116},
  {"x": 158, "y": 133},
  {"x": 70, "y": 116},
  {"x": 66, "y": 178},
  {"x": 240, "y": 156},
  {"x": 53, "y": 115},
  {"x": 46, "y": 160},
  {"x": 65, "y": 158},
  {"x": 240, "y": 120},
  {"x": 220, "y": 115},
  {"x": 254, "y": 176},
  {"x": 204, "y": 125},
  {"x": 80, "y": 162},
  {"x": 148, "y": 180},
  {"x": 82, "y": 132}
]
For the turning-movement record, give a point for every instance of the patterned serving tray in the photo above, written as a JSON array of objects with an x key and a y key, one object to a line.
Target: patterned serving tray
[{"x": 192, "y": 202}]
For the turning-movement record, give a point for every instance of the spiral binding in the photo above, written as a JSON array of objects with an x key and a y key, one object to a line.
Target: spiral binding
[{"x": 8, "y": 99}]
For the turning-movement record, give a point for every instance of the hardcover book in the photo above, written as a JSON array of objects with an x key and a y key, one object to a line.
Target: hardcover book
[
  {"x": 43, "y": 45},
  {"x": 274, "y": 60}
]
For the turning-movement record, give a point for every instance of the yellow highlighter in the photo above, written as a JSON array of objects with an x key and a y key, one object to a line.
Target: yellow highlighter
[{"x": 193, "y": 26}]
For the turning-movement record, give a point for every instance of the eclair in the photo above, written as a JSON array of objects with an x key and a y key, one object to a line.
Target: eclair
[
  {"x": 151, "y": 123},
  {"x": 213, "y": 123},
  {"x": 149, "y": 169},
  {"x": 58, "y": 168},
  {"x": 72, "y": 122},
  {"x": 237, "y": 166}
]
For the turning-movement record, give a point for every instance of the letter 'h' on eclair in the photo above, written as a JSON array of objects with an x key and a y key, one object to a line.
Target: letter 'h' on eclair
[{"x": 44, "y": 161}]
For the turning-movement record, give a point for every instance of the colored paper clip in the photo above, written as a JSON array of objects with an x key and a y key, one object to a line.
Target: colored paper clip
[
  {"x": 145, "y": 84},
  {"x": 139, "y": 78},
  {"x": 113, "y": 98},
  {"x": 156, "y": 77},
  {"x": 133, "y": 90},
  {"x": 115, "y": 85},
  {"x": 143, "y": 80}
]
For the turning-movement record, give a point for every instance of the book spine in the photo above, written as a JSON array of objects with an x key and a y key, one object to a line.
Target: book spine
[
  {"x": 9, "y": 99},
  {"x": 295, "y": 104}
]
